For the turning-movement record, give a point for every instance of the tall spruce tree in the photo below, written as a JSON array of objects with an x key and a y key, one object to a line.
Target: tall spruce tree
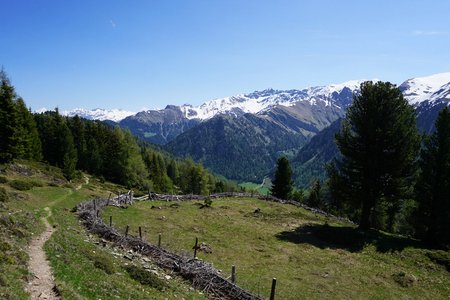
[
  {"x": 433, "y": 185},
  {"x": 18, "y": 134},
  {"x": 282, "y": 183},
  {"x": 379, "y": 143}
]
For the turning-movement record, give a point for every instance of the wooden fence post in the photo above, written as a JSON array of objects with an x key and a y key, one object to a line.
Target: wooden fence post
[
  {"x": 233, "y": 274},
  {"x": 272, "y": 291},
  {"x": 140, "y": 233},
  {"x": 110, "y": 221},
  {"x": 126, "y": 231},
  {"x": 195, "y": 247},
  {"x": 159, "y": 240},
  {"x": 95, "y": 205}
]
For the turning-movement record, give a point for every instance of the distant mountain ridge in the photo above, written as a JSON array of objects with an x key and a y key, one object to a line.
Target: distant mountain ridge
[{"x": 229, "y": 133}]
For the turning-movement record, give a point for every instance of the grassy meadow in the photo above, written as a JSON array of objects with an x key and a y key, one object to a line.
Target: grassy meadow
[{"x": 312, "y": 257}]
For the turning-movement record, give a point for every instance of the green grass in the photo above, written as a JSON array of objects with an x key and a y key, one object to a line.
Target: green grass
[
  {"x": 311, "y": 257},
  {"x": 262, "y": 189},
  {"x": 82, "y": 268}
]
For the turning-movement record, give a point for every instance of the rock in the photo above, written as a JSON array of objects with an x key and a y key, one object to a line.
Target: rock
[
  {"x": 168, "y": 277},
  {"x": 129, "y": 257},
  {"x": 205, "y": 248}
]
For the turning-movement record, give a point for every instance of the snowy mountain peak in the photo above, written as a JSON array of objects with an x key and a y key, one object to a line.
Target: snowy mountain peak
[
  {"x": 98, "y": 114},
  {"x": 259, "y": 101},
  {"x": 417, "y": 90}
]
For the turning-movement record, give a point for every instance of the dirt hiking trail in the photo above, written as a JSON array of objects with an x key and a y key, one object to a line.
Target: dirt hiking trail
[{"x": 42, "y": 285}]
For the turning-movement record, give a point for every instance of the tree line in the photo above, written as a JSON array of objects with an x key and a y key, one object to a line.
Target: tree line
[
  {"x": 111, "y": 153},
  {"x": 387, "y": 176}
]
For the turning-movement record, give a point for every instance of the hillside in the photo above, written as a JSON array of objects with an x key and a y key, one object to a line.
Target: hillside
[
  {"x": 312, "y": 257},
  {"x": 83, "y": 266}
]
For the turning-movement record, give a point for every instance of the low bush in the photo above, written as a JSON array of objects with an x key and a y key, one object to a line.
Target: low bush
[
  {"x": 3, "y": 179},
  {"x": 105, "y": 263},
  {"x": 3, "y": 195},
  {"x": 21, "y": 185},
  {"x": 440, "y": 257},
  {"x": 146, "y": 277}
]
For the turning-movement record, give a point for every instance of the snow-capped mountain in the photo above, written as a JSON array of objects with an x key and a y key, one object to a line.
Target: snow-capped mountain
[
  {"x": 260, "y": 101},
  {"x": 98, "y": 114},
  {"x": 429, "y": 88}
]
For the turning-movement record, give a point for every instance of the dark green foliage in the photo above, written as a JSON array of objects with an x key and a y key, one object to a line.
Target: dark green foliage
[
  {"x": 282, "y": 183},
  {"x": 379, "y": 143},
  {"x": 18, "y": 134},
  {"x": 145, "y": 277},
  {"x": 21, "y": 185},
  {"x": 298, "y": 195},
  {"x": 315, "y": 198},
  {"x": 3, "y": 179},
  {"x": 3, "y": 195},
  {"x": 433, "y": 185},
  {"x": 440, "y": 257}
]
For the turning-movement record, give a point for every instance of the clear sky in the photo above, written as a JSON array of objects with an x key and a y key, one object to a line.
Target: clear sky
[{"x": 136, "y": 54}]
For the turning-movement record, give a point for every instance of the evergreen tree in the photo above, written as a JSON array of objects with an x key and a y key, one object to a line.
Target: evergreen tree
[
  {"x": 26, "y": 131},
  {"x": 8, "y": 117},
  {"x": 76, "y": 126},
  {"x": 315, "y": 195},
  {"x": 18, "y": 134},
  {"x": 282, "y": 183},
  {"x": 433, "y": 185},
  {"x": 379, "y": 143}
]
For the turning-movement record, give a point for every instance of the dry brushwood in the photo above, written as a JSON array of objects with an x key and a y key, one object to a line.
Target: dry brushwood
[{"x": 203, "y": 275}]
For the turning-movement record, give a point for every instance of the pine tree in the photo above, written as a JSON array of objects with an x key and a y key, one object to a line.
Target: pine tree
[
  {"x": 433, "y": 185},
  {"x": 379, "y": 143},
  {"x": 282, "y": 183},
  {"x": 315, "y": 195},
  {"x": 7, "y": 118},
  {"x": 18, "y": 134}
]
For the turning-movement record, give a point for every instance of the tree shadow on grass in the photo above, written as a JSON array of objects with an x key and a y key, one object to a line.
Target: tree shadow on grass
[{"x": 348, "y": 238}]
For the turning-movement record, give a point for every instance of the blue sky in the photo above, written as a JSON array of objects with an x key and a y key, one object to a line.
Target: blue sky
[{"x": 136, "y": 54}]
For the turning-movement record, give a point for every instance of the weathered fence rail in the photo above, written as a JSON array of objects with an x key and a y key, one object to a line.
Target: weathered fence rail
[{"x": 202, "y": 274}]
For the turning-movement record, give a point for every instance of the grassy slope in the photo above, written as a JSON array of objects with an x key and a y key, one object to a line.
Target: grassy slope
[
  {"x": 79, "y": 265},
  {"x": 309, "y": 260}
]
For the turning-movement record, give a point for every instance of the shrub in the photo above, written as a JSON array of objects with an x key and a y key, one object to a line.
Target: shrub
[
  {"x": 146, "y": 277},
  {"x": 3, "y": 179},
  {"x": 105, "y": 263},
  {"x": 403, "y": 279},
  {"x": 3, "y": 195},
  {"x": 101, "y": 261},
  {"x": 440, "y": 257},
  {"x": 21, "y": 185}
]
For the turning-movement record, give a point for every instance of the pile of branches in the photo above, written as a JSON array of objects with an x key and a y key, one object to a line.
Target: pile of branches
[{"x": 202, "y": 275}]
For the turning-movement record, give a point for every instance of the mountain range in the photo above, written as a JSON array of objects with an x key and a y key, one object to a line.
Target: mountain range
[{"x": 241, "y": 136}]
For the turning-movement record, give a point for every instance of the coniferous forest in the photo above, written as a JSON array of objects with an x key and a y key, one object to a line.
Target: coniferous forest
[{"x": 113, "y": 154}]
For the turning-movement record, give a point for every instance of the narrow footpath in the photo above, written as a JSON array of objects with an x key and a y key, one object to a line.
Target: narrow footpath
[{"x": 42, "y": 284}]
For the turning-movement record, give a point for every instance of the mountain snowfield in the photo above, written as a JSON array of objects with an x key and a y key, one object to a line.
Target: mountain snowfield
[
  {"x": 263, "y": 100},
  {"x": 415, "y": 90},
  {"x": 430, "y": 88}
]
